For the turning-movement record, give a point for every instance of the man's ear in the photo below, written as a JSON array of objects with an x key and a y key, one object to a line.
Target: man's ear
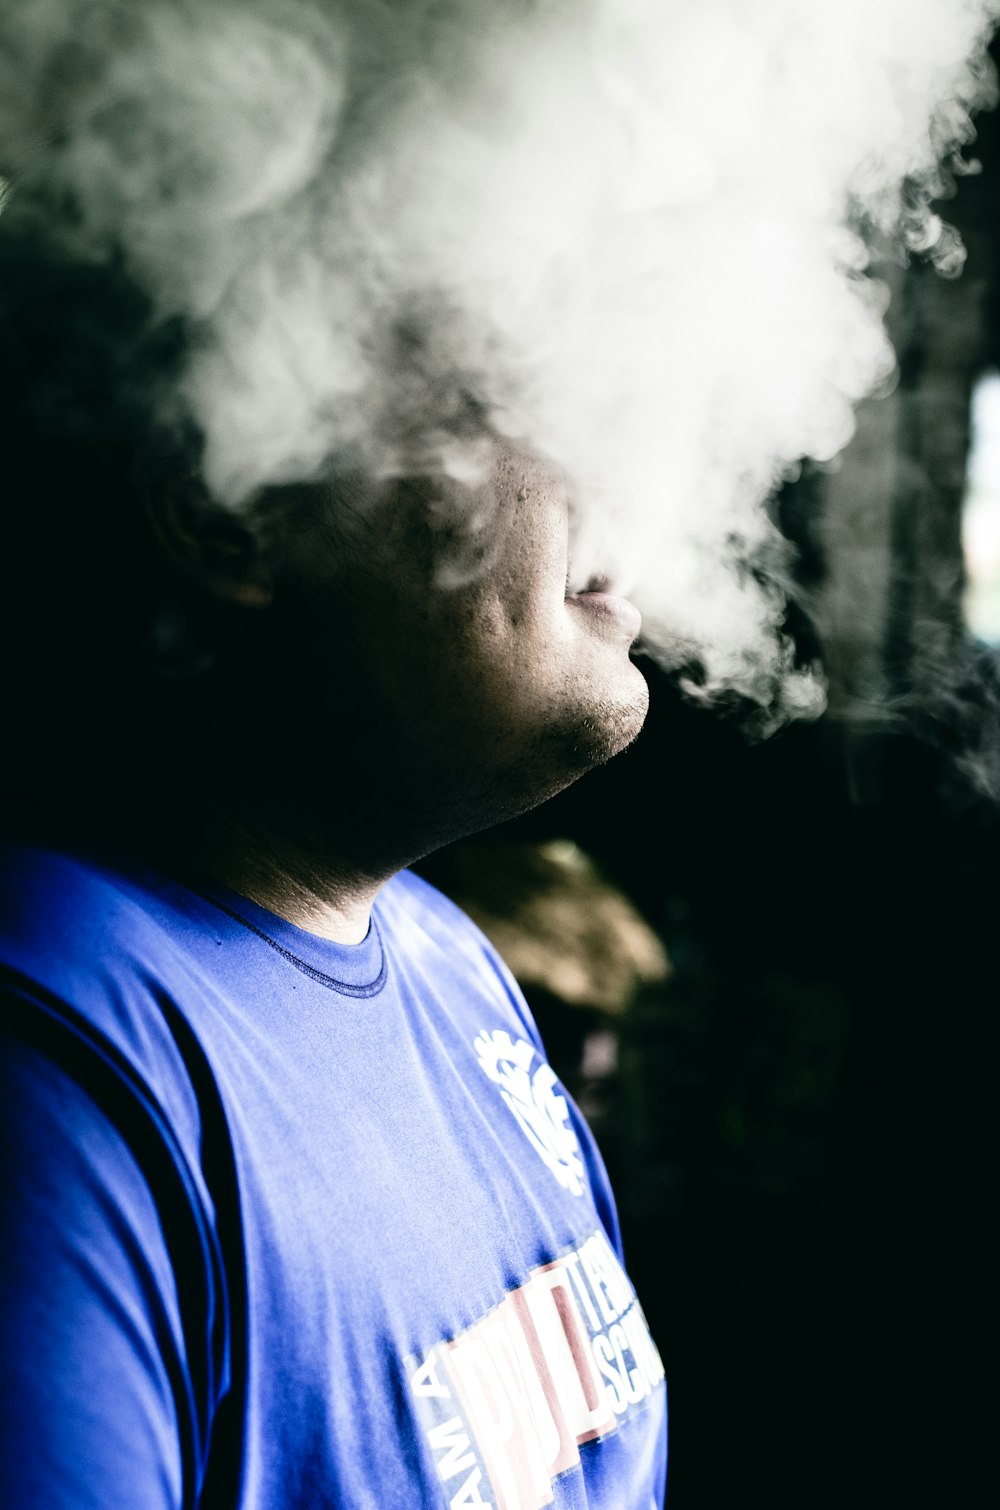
[{"x": 211, "y": 548}]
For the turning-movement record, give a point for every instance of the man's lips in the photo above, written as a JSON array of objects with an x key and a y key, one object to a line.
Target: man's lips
[{"x": 597, "y": 599}]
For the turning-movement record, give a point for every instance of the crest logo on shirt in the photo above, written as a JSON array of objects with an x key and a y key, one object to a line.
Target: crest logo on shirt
[{"x": 531, "y": 1096}]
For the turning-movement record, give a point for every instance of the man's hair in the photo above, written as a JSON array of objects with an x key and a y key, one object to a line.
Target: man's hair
[{"x": 84, "y": 366}]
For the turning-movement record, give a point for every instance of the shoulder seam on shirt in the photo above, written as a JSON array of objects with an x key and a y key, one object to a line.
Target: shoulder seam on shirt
[{"x": 120, "y": 1075}]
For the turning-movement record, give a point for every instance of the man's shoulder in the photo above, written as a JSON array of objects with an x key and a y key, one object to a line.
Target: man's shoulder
[
  {"x": 408, "y": 904},
  {"x": 90, "y": 981},
  {"x": 60, "y": 904},
  {"x": 408, "y": 893},
  {"x": 89, "y": 958},
  {"x": 437, "y": 937}
]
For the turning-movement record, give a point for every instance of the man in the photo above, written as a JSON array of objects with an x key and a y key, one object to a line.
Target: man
[{"x": 296, "y": 1213}]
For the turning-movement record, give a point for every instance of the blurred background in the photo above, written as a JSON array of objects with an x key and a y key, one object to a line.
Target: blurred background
[{"x": 768, "y": 971}]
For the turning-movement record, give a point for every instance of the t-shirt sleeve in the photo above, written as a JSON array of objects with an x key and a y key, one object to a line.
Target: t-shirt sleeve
[{"x": 93, "y": 1375}]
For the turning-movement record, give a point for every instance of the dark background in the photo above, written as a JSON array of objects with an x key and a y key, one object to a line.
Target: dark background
[{"x": 803, "y": 1123}]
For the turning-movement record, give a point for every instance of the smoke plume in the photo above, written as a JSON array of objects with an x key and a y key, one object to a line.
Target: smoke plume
[{"x": 634, "y": 233}]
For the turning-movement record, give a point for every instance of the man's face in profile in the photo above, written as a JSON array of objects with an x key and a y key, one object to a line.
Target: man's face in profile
[{"x": 481, "y": 679}]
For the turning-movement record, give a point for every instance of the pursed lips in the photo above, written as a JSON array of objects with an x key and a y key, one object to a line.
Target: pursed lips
[{"x": 597, "y": 597}]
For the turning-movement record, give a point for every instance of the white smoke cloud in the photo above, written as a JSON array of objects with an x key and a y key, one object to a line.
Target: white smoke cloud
[{"x": 633, "y": 232}]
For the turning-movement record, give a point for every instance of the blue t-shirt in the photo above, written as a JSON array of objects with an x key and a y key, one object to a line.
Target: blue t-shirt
[{"x": 293, "y": 1225}]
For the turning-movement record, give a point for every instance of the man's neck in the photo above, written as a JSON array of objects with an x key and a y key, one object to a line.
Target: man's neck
[{"x": 330, "y": 897}]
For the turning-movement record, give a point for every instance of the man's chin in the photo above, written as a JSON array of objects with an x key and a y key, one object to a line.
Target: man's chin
[
  {"x": 622, "y": 721},
  {"x": 608, "y": 728}
]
